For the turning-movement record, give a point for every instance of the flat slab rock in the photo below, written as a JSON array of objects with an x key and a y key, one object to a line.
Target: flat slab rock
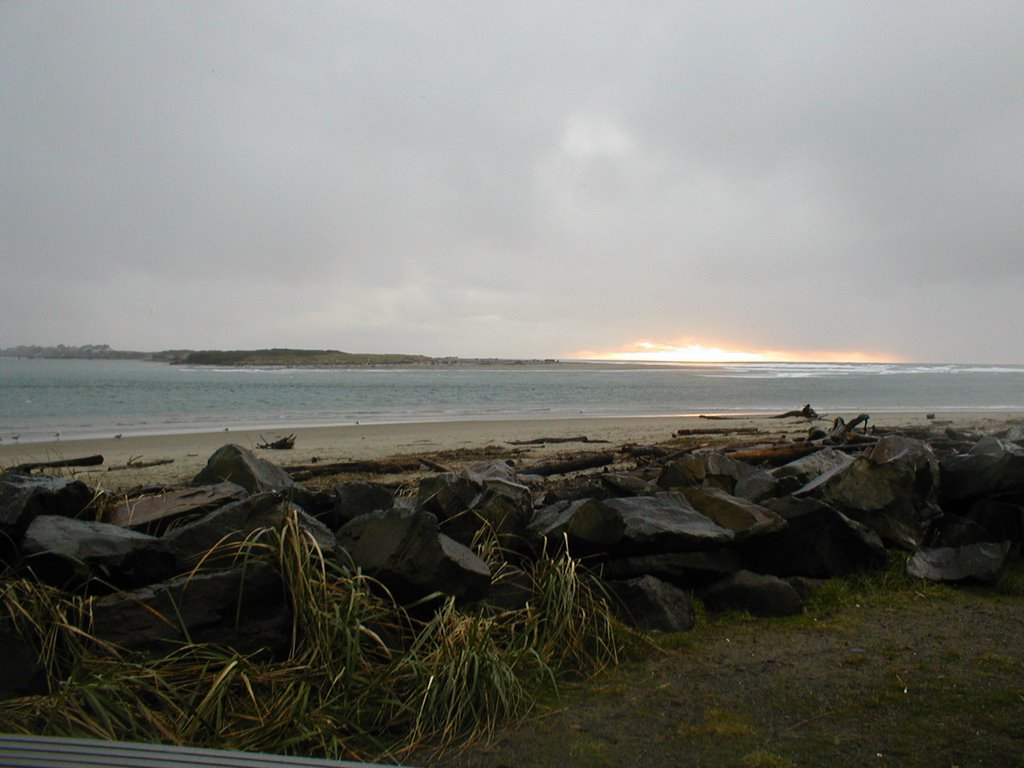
[
  {"x": 973, "y": 562},
  {"x": 174, "y": 503}
]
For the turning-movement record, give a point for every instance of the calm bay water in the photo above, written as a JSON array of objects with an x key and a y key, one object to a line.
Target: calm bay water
[{"x": 81, "y": 398}]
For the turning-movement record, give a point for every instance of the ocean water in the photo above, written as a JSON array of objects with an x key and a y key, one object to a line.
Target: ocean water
[{"x": 83, "y": 398}]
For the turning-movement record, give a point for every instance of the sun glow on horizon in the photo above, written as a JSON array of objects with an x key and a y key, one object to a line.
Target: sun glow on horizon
[{"x": 691, "y": 352}]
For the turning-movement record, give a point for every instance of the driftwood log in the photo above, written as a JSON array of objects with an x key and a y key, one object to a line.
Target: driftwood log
[
  {"x": 545, "y": 440},
  {"x": 574, "y": 464},
  {"x": 84, "y": 461},
  {"x": 132, "y": 464},
  {"x": 281, "y": 444}
]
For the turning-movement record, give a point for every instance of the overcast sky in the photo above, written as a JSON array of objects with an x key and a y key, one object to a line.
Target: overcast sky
[{"x": 515, "y": 179}]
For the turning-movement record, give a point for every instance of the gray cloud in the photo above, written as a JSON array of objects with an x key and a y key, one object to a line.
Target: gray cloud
[{"x": 514, "y": 179}]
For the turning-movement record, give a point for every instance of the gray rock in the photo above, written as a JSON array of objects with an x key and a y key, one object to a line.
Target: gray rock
[
  {"x": 236, "y": 522},
  {"x": 1005, "y": 522},
  {"x": 153, "y": 513},
  {"x": 651, "y": 604},
  {"x": 405, "y": 550},
  {"x": 684, "y": 569},
  {"x": 591, "y": 525},
  {"x": 892, "y": 489},
  {"x": 665, "y": 522},
  {"x": 992, "y": 468},
  {"x": 974, "y": 562},
  {"x": 354, "y": 499},
  {"x": 819, "y": 542},
  {"x": 711, "y": 469},
  {"x": 242, "y": 608},
  {"x": 68, "y": 553},
  {"x": 798, "y": 473},
  {"x": 23, "y": 497},
  {"x": 235, "y": 464},
  {"x": 755, "y": 593},
  {"x": 744, "y": 518},
  {"x": 479, "y": 496},
  {"x": 21, "y": 673}
]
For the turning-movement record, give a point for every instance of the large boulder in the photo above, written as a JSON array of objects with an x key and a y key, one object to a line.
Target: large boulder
[
  {"x": 69, "y": 553},
  {"x": 590, "y": 525},
  {"x": 711, "y": 469},
  {"x": 153, "y": 513},
  {"x": 235, "y": 522},
  {"x": 665, "y": 522},
  {"x": 354, "y": 499},
  {"x": 892, "y": 489},
  {"x": 979, "y": 562},
  {"x": 992, "y": 468},
  {"x": 744, "y": 518},
  {"x": 404, "y": 549},
  {"x": 1005, "y": 522},
  {"x": 684, "y": 569},
  {"x": 244, "y": 608},
  {"x": 818, "y": 542},
  {"x": 651, "y": 604},
  {"x": 755, "y": 593},
  {"x": 235, "y": 464},
  {"x": 23, "y": 497},
  {"x": 21, "y": 673},
  {"x": 479, "y": 496},
  {"x": 799, "y": 472}
]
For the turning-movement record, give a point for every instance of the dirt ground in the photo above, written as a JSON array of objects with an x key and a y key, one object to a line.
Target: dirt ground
[{"x": 917, "y": 678}]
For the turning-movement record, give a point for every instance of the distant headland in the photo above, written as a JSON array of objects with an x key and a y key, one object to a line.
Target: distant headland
[{"x": 318, "y": 358}]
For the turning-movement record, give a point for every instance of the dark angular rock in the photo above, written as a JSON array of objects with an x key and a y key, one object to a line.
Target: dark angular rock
[
  {"x": 21, "y": 674},
  {"x": 755, "y": 593},
  {"x": 651, "y": 604},
  {"x": 744, "y": 518},
  {"x": 354, "y": 499},
  {"x": 756, "y": 486},
  {"x": 684, "y": 569},
  {"x": 798, "y": 473},
  {"x": 992, "y": 468},
  {"x": 819, "y": 542},
  {"x": 23, "y": 497},
  {"x": 665, "y": 522},
  {"x": 892, "y": 489},
  {"x": 707, "y": 469},
  {"x": 68, "y": 553},
  {"x": 480, "y": 496},
  {"x": 973, "y": 562},
  {"x": 236, "y": 522},
  {"x": 235, "y": 464},
  {"x": 955, "y": 531},
  {"x": 621, "y": 484},
  {"x": 152, "y": 513},
  {"x": 405, "y": 550},
  {"x": 1005, "y": 522},
  {"x": 242, "y": 608},
  {"x": 591, "y": 525}
]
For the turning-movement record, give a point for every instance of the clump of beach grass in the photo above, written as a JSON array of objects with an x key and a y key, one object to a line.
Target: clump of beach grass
[{"x": 362, "y": 678}]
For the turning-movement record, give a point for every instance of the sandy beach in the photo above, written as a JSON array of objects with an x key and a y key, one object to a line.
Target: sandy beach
[{"x": 188, "y": 452}]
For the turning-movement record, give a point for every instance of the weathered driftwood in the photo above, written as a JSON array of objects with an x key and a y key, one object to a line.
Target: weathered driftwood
[
  {"x": 804, "y": 413},
  {"x": 545, "y": 440},
  {"x": 281, "y": 444},
  {"x": 393, "y": 466},
  {"x": 132, "y": 464},
  {"x": 717, "y": 430},
  {"x": 84, "y": 461},
  {"x": 574, "y": 464},
  {"x": 842, "y": 430},
  {"x": 775, "y": 454}
]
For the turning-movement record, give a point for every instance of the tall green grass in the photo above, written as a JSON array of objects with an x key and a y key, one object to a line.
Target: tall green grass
[{"x": 363, "y": 678}]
